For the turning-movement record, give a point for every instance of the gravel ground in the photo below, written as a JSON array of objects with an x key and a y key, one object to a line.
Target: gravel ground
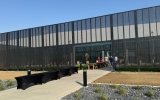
[
  {"x": 5, "y": 84},
  {"x": 88, "y": 93}
]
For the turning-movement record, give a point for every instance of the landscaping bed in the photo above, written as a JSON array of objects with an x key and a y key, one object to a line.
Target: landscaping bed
[
  {"x": 7, "y": 84},
  {"x": 115, "y": 92}
]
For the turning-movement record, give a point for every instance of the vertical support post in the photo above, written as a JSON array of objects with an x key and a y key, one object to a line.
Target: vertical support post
[
  {"x": 43, "y": 60},
  {"x": 57, "y": 46},
  {"x": 85, "y": 77},
  {"x": 112, "y": 39},
  {"x": 29, "y": 34},
  {"x": 18, "y": 51},
  {"x": 73, "y": 46},
  {"x": 7, "y": 53},
  {"x": 137, "y": 46}
]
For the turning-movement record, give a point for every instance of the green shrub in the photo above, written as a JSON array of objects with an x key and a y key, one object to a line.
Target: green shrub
[
  {"x": 121, "y": 90},
  {"x": 98, "y": 90},
  {"x": 137, "y": 87},
  {"x": 1, "y": 86},
  {"x": 114, "y": 86},
  {"x": 136, "y": 99},
  {"x": 78, "y": 95},
  {"x": 95, "y": 85},
  {"x": 9, "y": 83},
  {"x": 103, "y": 97},
  {"x": 149, "y": 93}
]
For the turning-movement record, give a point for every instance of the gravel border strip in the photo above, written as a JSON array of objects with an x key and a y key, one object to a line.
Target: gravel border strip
[{"x": 88, "y": 93}]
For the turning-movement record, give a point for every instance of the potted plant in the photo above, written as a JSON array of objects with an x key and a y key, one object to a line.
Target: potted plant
[
  {"x": 87, "y": 57},
  {"x": 76, "y": 58}
]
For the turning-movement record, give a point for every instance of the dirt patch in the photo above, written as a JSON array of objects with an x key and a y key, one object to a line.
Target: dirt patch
[
  {"x": 131, "y": 78},
  {"x": 10, "y": 75}
]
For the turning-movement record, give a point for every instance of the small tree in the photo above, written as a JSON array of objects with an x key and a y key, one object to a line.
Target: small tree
[
  {"x": 87, "y": 56},
  {"x": 76, "y": 57}
]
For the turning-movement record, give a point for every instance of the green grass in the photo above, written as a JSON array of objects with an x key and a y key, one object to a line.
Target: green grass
[
  {"x": 1, "y": 86},
  {"x": 95, "y": 85},
  {"x": 149, "y": 93},
  {"x": 98, "y": 90},
  {"x": 121, "y": 91},
  {"x": 103, "y": 97},
  {"x": 136, "y": 98},
  {"x": 9, "y": 83},
  {"x": 78, "y": 95},
  {"x": 137, "y": 87},
  {"x": 114, "y": 86}
]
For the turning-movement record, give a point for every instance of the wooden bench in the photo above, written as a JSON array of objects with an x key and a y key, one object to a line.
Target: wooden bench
[{"x": 93, "y": 65}]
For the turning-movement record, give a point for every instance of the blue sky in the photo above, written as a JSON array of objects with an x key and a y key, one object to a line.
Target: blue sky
[{"x": 22, "y": 14}]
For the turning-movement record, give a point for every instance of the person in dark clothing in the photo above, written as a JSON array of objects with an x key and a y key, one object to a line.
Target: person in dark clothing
[{"x": 111, "y": 61}]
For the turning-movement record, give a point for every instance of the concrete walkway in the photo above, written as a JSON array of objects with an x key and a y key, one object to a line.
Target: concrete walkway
[{"x": 53, "y": 90}]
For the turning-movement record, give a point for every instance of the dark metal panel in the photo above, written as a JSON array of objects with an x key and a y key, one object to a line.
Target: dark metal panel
[
  {"x": 150, "y": 41},
  {"x": 57, "y": 42},
  {"x": 156, "y": 50},
  {"x": 73, "y": 46},
  {"x": 106, "y": 26},
  {"x": 86, "y": 29},
  {"x": 43, "y": 60},
  {"x": 29, "y": 35},
  {"x": 18, "y": 59},
  {"x": 100, "y": 29},
  {"x": 137, "y": 42},
  {"x": 111, "y": 28},
  {"x": 124, "y": 42},
  {"x": 7, "y": 53},
  {"x": 81, "y": 33}
]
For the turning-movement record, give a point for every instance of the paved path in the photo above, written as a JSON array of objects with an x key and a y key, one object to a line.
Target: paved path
[{"x": 53, "y": 90}]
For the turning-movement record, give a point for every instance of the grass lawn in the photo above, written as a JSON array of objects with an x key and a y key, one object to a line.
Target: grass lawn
[{"x": 131, "y": 78}]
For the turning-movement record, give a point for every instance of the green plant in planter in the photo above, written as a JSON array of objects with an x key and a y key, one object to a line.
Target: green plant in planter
[
  {"x": 121, "y": 90},
  {"x": 76, "y": 57},
  {"x": 149, "y": 93},
  {"x": 103, "y": 97},
  {"x": 9, "y": 83},
  {"x": 98, "y": 90},
  {"x": 137, "y": 87},
  {"x": 78, "y": 95},
  {"x": 87, "y": 56}
]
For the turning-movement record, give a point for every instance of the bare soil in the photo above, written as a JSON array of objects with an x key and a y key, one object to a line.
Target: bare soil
[
  {"x": 131, "y": 78},
  {"x": 10, "y": 75}
]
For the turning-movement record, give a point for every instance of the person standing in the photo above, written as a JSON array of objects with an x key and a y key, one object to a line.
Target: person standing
[
  {"x": 99, "y": 59},
  {"x": 111, "y": 61},
  {"x": 116, "y": 61}
]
